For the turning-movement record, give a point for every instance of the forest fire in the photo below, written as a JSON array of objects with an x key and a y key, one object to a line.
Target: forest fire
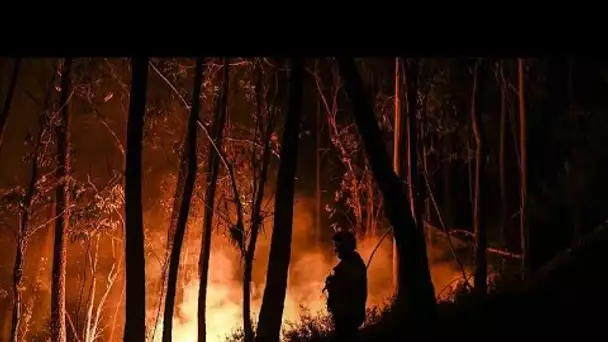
[
  {"x": 309, "y": 267},
  {"x": 133, "y": 190}
]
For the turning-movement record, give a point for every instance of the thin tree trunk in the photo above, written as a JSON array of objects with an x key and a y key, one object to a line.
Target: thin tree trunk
[
  {"x": 89, "y": 331},
  {"x": 447, "y": 189},
  {"x": 96, "y": 325},
  {"x": 6, "y": 108},
  {"x": 271, "y": 312},
  {"x": 371, "y": 224},
  {"x": 213, "y": 165},
  {"x": 426, "y": 142},
  {"x": 256, "y": 218},
  {"x": 114, "y": 319},
  {"x": 415, "y": 292},
  {"x": 479, "y": 228},
  {"x": 95, "y": 314},
  {"x": 135, "y": 315},
  {"x": 397, "y": 145},
  {"x": 501, "y": 158},
  {"x": 427, "y": 202},
  {"x": 22, "y": 238},
  {"x": 62, "y": 202},
  {"x": 525, "y": 247},
  {"x": 318, "y": 169},
  {"x": 187, "y": 172},
  {"x": 17, "y": 285},
  {"x": 413, "y": 150},
  {"x": 255, "y": 228}
]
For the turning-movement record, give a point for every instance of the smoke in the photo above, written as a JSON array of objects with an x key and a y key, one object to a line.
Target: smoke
[{"x": 310, "y": 263}]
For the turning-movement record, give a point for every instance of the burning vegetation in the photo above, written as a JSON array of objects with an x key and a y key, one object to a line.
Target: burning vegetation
[{"x": 195, "y": 199}]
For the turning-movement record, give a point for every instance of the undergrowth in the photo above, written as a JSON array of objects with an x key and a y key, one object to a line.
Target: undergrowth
[{"x": 313, "y": 327}]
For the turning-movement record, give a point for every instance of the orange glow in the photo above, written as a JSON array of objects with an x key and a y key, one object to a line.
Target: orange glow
[{"x": 308, "y": 269}]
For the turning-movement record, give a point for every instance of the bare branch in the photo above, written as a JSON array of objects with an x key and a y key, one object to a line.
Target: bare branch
[{"x": 32, "y": 231}]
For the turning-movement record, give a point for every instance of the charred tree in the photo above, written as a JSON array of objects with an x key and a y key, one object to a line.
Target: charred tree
[
  {"x": 213, "y": 166},
  {"x": 415, "y": 293},
  {"x": 256, "y": 215},
  {"x": 271, "y": 312},
  {"x": 525, "y": 248},
  {"x": 6, "y": 108},
  {"x": 135, "y": 315},
  {"x": 479, "y": 228},
  {"x": 183, "y": 196},
  {"x": 62, "y": 209}
]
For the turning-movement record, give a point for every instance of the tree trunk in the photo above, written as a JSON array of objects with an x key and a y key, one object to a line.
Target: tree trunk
[
  {"x": 479, "y": 228},
  {"x": 17, "y": 285},
  {"x": 256, "y": 219},
  {"x": 6, "y": 108},
  {"x": 318, "y": 170},
  {"x": 397, "y": 151},
  {"x": 424, "y": 194},
  {"x": 447, "y": 189},
  {"x": 398, "y": 144},
  {"x": 62, "y": 211},
  {"x": 271, "y": 312},
  {"x": 135, "y": 315},
  {"x": 187, "y": 172},
  {"x": 213, "y": 165},
  {"x": 89, "y": 330},
  {"x": 525, "y": 248},
  {"x": 504, "y": 224},
  {"x": 22, "y": 238},
  {"x": 369, "y": 180},
  {"x": 416, "y": 184},
  {"x": 415, "y": 292}
]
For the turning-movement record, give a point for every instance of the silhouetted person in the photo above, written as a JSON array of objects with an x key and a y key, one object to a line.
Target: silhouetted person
[{"x": 347, "y": 288}]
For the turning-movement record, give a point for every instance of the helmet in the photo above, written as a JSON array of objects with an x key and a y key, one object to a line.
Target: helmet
[{"x": 345, "y": 238}]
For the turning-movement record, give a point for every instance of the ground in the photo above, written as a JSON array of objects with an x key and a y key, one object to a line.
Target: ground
[{"x": 567, "y": 298}]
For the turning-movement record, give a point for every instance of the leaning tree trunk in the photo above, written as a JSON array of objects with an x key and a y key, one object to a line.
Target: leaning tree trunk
[
  {"x": 213, "y": 166},
  {"x": 62, "y": 211},
  {"x": 135, "y": 315},
  {"x": 256, "y": 218},
  {"x": 271, "y": 312},
  {"x": 525, "y": 247},
  {"x": 6, "y": 108},
  {"x": 415, "y": 292},
  {"x": 479, "y": 228},
  {"x": 187, "y": 172}
]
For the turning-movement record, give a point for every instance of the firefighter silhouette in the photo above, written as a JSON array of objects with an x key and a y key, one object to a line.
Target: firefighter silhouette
[{"x": 346, "y": 288}]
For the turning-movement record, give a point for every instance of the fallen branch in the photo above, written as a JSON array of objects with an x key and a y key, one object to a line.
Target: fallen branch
[
  {"x": 492, "y": 250},
  {"x": 503, "y": 253}
]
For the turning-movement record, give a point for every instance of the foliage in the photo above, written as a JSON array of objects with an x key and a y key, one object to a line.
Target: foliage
[{"x": 98, "y": 211}]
